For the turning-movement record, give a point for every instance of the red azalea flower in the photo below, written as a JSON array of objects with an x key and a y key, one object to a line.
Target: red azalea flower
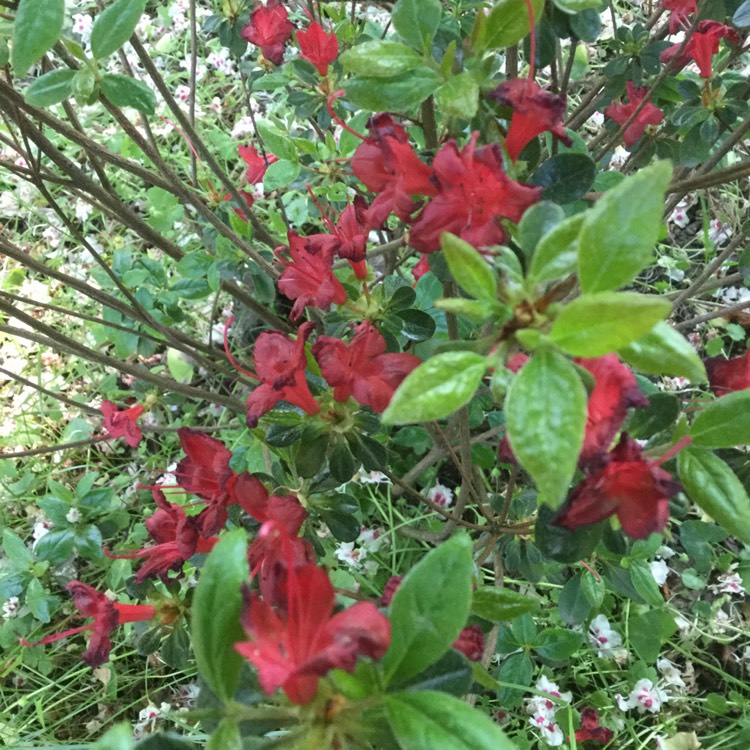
[
  {"x": 701, "y": 47},
  {"x": 680, "y": 11},
  {"x": 362, "y": 368},
  {"x": 293, "y": 646},
  {"x": 470, "y": 642},
  {"x": 205, "y": 469},
  {"x": 727, "y": 375},
  {"x": 634, "y": 489},
  {"x": 280, "y": 365},
  {"x": 474, "y": 194},
  {"x": 256, "y": 164},
  {"x": 535, "y": 111},
  {"x": 620, "y": 113},
  {"x": 270, "y": 29},
  {"x": 591, "y": 730},
  {"x": 249, "y": 200},
  {"x": 317, "y": 47},
  {"x": 122, "y": 423},
  {"x": 308, "y": 278},
  {"x": 615, "y": 391},
  {"x": 386, "y": 163},
  {"x": 107, "y": 616}
]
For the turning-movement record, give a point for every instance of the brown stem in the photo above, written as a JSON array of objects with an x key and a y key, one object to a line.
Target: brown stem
[{"x": 31, "y": 384}]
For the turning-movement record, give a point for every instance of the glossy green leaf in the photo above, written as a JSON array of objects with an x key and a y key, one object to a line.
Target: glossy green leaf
[
  {"x": 380, "y": 59},
  {"x": 458, "y": 97},
  {"x": 563, "y": 545},
  {"x": 124, "y": 91},
  {"x": 424, "y": 621},
  {"x": 597, "y": 324},
  {"x": 545, "y": 411},
  {"x": 18, "y": 554},
  {"x": 469, "y": 268},
  {"x": 618, "y": 235},
  {"x": 574, "y": 604},
  {"x": 51, "y": 88},
  {"x": 113, "y": 27},
  {"x": 565, "y": 177},
  {"x": 475, "y": 310},
  {"x": 556, "y": 254},
  {"x": 557, "y": 644},
  {"x": 119, "y": 737},
  {"x": 429, "y": 720},
  {"x": 437, "y": 388},
  {"x": 216, "y": 614},
  {"x": 576, "y": 6},
  {"x": 649, "y": 632},
  {"x": 401, "y": 93},
  {"x": 416, "y": 21},
  {"x": 537, "y": 221},
  {"x": 712, "y": 485},
  {"x": 280, "y": 174},
  {"x": 724, "y": 423},
  {"x": 644, "y": 583},
  {"x": 507, "y": 23},
  {"x": 664, "y": 351},
  {"x": 498, "y": 604},
  {"x": 37, "y": 27}
]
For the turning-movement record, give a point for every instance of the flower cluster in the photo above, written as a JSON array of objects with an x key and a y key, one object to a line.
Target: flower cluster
[{"x": 543, "y": 709}]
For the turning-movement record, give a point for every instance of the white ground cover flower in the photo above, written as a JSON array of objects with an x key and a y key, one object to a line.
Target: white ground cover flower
[
  {"x": 606, "y": 640},
  {"x": 543, "y": 710},
  {"x": 644, "y": 697},
  {"x": 441, "y": 495},
  {"x": 659, "y": 570},
  {"x": 11, "y": 607},
  {"x": 370, "y": 477},
  {"x": 719, "y": 232},
  {"x": 670, "y": 674},
  {"x": 729, "y": 583}
]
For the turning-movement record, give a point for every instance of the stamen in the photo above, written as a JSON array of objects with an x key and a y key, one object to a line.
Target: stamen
[
  {"x": 331, "y": 226},
  {"x": 331, "y": 98},
  {"x": 231, "y": 359}
]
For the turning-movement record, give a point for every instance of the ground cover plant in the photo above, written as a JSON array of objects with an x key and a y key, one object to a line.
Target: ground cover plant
[{"x": 374, "y": 376}]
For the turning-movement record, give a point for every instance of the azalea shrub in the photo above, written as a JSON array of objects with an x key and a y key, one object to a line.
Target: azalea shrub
[{"x": 390, "y": 378}]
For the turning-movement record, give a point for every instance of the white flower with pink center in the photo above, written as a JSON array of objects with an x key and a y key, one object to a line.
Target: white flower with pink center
[
  {"x": 441, "y": 495},
  {"x": 646, "y": 696},
  {"x": 606, "y": 641}
]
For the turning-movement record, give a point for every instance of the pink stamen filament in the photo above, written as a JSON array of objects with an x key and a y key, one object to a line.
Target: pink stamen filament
[
  {"x": 331, "y": 226},
  {"x": 185, "y": 138},
  {"x": 590, "y": 570},
  {"x": 674, "y": 450},
  {"x": 231, "y": 359},
  {"x": 331, "y": 98}
]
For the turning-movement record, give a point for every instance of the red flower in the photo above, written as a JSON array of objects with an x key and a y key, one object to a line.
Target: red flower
[
  {"x": 122, "y": 423},
  {"x": 280, "y": 366},
  {"x": 680, "y": 10},
  {"x": 591, "y": 730},
  {"x": 270, "y": 29},
  {"x": 386, "y": 164},
  {"x": 294, "y": 645},
  {"x": 535, "y": 111},
  {"x": 727, "y": 375},
  {"x": 317, "y": 47},
  {"x": 635, "y": 490},
  {"x": 308, "y": 278},
  {"x": 107, "y": 616},
  {"x": 620, "y": 113},
  {"x": 470, "y": 642},
  {"x": 361, "y": 368},
  {"x": 474, "y": 194},
  {"x": 256, "y": 164},
  {"x": 702, "y": 46},
  {"x": 615, "y": 391},
  {"x": 205, "y": 469}
]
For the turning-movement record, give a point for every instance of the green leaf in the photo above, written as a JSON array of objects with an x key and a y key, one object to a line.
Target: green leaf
[
  {"x": 380, "y": 59},
  {"x": 712, "y": 485},
  {"x": 563, "y": 545},
  {"x": 469, "y": 268},
  {"x": 557, "y": 644},
  {"x": 120, "y": 737},
  {"x": 644, "y": 583},
  {"x": 475, "y": 310},
  {"x": 574, "y": 604},
  {"x": 416, "y": 21},
  {"x": 428, "y": 720},
  {"x": 39, "y": 600},
  {"x": 500, "y": 604},
  {"x": 56, "y": 546},
  {"x": 226, "y": 737},
  {"x": 124, "y": 91},
  {"x": 84, "y": 86},
  {"x": 724, "y": 423},
  {"x": 437, "y": 388},
  {"x": 538, "y": 220},
  {"x": 664, "y": 351},
  {"x": 51, "y": 88},
  {"x": 37, "y": 27},
  {"x": 276, "y": 142},
  {"x": 216, "y": 614},
  {"x": 618, "y": 235},
  {"x": 401, "y": 93},
  {"x": 596, "y": 324},
  {"x": 280, "y": 174},
  {"x": 507, "y": 23},
  {"x": 424, "y": 621},
  {"x": 180, "y": 366},
  {"x": 556, "y": 254},
  {"x": 458, "y": 97},
  {"x": 115, "y": 26},
  {"x": 649, "y": 632},
  {"x": 576, "y": 6},
  {"x": 565, "y": 177},
  {"x": 545, "y": 411},
  {"x": 18, "y": 554}
]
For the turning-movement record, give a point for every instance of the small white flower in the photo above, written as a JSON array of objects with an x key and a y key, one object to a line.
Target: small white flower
[
  {"x": 619, "y": 157},
  {"x": 371, "y": 539},
  {"x": 730, "y": 583},
  {"x": 606, "y": 641},
  {"x": 441, "y": 495},
  {"x": 182, "y": 92},
  {"x": 41, "y": 529},
  {"x": 347, "y": 553},
  {"x": 10, "y": 607},
  {"x": 73, "y": 515},
  {"x": 679, "y": 215},
  {"x": 683, "y": 625},
  {"x": 670, "y": 673},
  {"x": 539, "y": 705},
  {"x": 83, "y": 210},
  {"x": 551, "y": 731},
  {"x": 718, "y": 232},
  {"x": 371, "y": 477},
  {"x": 645, "y": 696},
  {"x": 660, "y": 571}
]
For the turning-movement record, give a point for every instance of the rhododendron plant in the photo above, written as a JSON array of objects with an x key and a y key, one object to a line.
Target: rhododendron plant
[
  {"x": 270, "y": 29},
  {"x": 621, "y": 113},
  {"x": 123, "y": 422},
  {"x": 727, "y": 375},
  {"x": 317, "y": 47}
]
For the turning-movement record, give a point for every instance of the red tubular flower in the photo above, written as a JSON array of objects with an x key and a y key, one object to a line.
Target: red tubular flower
[
  {"x": 205, "y": 469},
  {"x": 590, "y": 730},
  {"x": 256, "y": 164},
  {"x": 270, "y": 29},
  {"x": 680, "y": 10},
  {"x": 615, "y": 391},
  {"x": 535, "y": 111},
  {"x": 474, "y": 194},
  {"x": 122, "y": 423},
  {"x": 107, "y": 616},
  {"x": 317, "y": 47},
  {"x": 634, "y": 489},
  {"x": 280, "y": 366},
  {"x": 470, "y": 642},
  {"x": 361, "y": 368},
  {"x": 701, "y": 47},
  {"x": 294, "y": 645},
  {"x": 727, "y": 375},
  {"x": 620, "y": 113},
  {"x": 308, "y": 278},
  {"x": 386, "y": 163}
]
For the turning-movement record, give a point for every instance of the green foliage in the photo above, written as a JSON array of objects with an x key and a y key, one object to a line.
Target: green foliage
[
  {"x": 37, "y": 27},
  {"x": 114, "y": 26}
]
